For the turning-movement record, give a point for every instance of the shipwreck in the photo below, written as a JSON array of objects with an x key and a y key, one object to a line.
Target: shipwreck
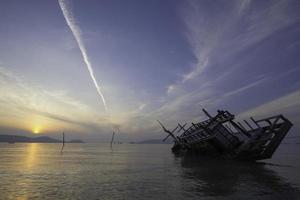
[{"x": 222, "y": 136}]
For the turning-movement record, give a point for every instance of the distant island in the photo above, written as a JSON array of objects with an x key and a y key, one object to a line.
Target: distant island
[{"x": 24, "y": 139}]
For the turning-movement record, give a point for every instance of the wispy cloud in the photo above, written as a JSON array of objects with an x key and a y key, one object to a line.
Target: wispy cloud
[
  {"x": 217, "y": 34},
  {"x": 242, "y": 5},
  {"x": 244, "y": 88},
  {"x": 287, "y": 105},
  {"x": 209, "y": 32},
  {"x": 28, "y": 104},
  {"x": 262, "y": 22},
  {"x": 202, "y": 36}
]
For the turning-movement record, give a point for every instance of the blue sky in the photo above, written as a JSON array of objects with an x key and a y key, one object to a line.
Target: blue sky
[{"x": 151, "y": 59}]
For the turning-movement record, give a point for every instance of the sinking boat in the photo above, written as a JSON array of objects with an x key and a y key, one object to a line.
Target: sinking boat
[{"x": 222, "y": 136}]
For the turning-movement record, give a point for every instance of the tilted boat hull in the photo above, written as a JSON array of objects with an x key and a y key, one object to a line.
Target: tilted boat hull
[{"x": 221, "y": 136}]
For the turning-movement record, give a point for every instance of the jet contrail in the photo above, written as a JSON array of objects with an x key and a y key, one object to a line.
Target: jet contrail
[{"x": 77, "y": 34}]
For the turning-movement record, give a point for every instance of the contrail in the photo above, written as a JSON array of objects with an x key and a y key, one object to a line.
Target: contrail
[{"x": 77, "y": 34}]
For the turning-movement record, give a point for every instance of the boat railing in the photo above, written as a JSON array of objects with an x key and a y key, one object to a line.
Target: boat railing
[
  {"x": 275, "y": 128},
  {"x": 221, "y": 117}
]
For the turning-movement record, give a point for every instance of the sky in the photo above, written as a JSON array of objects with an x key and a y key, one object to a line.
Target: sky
[{"x": 92, "y": 67}]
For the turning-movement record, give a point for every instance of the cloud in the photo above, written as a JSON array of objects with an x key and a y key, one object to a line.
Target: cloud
[
  {"x": 242, "y": 5},
  {"x": 263, "y": 22},
  {"x": 201, "y": 65},
  {"x": 24, "y": 104},
  {"x": 213, "y": 35},
  {"x": 171, "y": 88},
  {"x": 288, "y": 104},
  {"x": 87, "y": 124},
  {"x": 244, "y": 88},
  {"x": 142, "y": 106},
  {"x": 218, "y": 35}
]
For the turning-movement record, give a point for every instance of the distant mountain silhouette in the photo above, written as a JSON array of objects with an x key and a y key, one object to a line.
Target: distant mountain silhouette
[{"x": 24, "y": 139}]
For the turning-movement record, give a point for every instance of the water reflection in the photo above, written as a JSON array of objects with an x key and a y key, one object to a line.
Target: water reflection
[
  {"x": 94, "y": 171},
  {"x": 22, "y": 182},
  {"x": 31, "y": 155},
  {"x": 213, "y": 177},
  {"x": 21, "y": 198},
  {"x": 62, "y": 149}
]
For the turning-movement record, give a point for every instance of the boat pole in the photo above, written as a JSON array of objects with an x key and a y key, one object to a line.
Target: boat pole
[{"x": 206, "y": 113}]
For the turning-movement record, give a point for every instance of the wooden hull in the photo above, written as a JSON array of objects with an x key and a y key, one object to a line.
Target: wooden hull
[{"x": 216, "y": 140}]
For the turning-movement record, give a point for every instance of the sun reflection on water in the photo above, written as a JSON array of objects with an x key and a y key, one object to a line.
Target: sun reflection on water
[
  {"x": 31, "y": 155},
  {"x": 25, "y": 184}
]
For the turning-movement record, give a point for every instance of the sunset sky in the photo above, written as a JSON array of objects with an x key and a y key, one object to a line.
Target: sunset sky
[{"x": 151, "y": 59}]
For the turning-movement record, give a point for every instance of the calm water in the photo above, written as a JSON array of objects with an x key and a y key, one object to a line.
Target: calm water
[{"x": 94, "y": 171}]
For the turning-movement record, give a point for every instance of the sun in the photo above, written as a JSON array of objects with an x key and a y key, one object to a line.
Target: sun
[{"x": 36, "y": 130}]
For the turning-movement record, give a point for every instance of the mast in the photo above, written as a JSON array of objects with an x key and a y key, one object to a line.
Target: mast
[
  {"x": 169, "y": 132},
  {"x": 206, "y": 113}
]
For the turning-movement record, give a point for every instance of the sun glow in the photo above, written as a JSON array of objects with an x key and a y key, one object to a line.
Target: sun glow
[{"x": 36, "y": 130}]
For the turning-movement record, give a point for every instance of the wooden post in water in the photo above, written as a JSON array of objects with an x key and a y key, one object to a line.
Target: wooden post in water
[
  {"x": 63, "y": 138},
  {"x": 63, "y": 143},
  {"x": 112, "y": 139}
]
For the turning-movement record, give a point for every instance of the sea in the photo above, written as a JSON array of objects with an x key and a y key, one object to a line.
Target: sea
[{"x": 141, "y": 171}]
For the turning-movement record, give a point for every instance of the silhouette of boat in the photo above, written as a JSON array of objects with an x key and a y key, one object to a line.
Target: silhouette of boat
[{"x": 220, "y": 135}]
